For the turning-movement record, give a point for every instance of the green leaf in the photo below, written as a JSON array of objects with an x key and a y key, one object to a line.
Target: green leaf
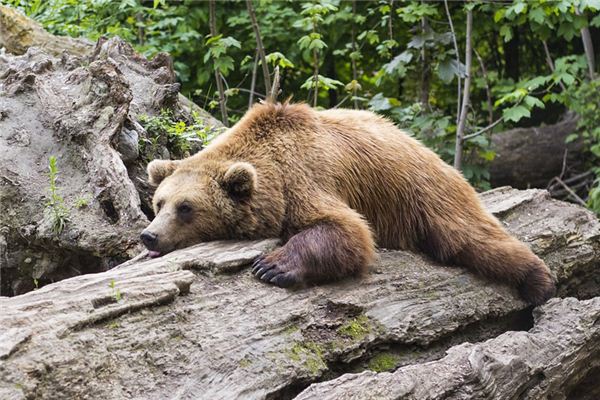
[
  {"x": 488, "y": 155},
  {"x": 277, "y": 58},
  {"x": 515, "y": 113},
  {"x": 593, "y": 5},
  {"x": 379, "y": 103},
  {"x": 571, "y": 138},
  {"x": 536, "y": 82},
  {"x": 568, "y": 79},
  {"x": 224, "y": 65},
  {"x": 498, "y": 15},
  {"x": 450, "y": 68},
  {"x": 537, "y": 15},
  {"x": 506, "y": 32},
  {"x": 352, "y": 86},
  {"x": 397, "y": 67},
  {"x": 316, "y": 44},
  {"x": 532, "y": 102}
]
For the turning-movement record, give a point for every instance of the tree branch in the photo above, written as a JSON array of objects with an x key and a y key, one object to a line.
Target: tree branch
[
  {"x": 488, "y": 91},
  {"x": 465, "y": 101},
  {"x": 483, "y": 130},
  {"x": 213, "y": 32},
  {"x": 253, "y": 81},
  {"x": 459, "y": 97},
  {"x": 352, "y": 59},
  {"x": 275, "y": 88},
  {"x": 259, "y": 46},
  {"x": 588, "y": 47},
  {"x": 551, "y": 63},
  {"x": 571, "y": 192}
]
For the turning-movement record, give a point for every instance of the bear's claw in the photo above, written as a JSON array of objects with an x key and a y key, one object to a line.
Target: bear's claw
[
  {"x": 272, "y": 273},
  {"x": 284, "y": 280}
]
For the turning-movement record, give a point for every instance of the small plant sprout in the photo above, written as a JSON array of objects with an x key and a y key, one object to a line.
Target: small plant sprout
[
  {"x": 56, "y": 204},
  {"x": 116, "y": 293},
  {"x": 81, "y": 202}
]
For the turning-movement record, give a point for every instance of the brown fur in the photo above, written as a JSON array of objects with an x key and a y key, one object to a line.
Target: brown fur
[{"x": 332, "y": 184}]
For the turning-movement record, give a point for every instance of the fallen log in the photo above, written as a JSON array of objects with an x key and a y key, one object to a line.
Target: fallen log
[
  {"x": 196, "y": 324},
  {"x": 18, "y": 33},
  {"x": 531, "y": 157},
  {"x": 557, "y": 358}
]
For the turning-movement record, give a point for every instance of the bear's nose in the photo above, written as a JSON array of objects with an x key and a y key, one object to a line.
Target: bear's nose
[{"x": 149, "y": 239}]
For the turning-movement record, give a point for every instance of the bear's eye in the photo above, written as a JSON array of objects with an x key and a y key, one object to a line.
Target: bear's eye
[
  {"x": 184, "y": 209},
  {"x": 159, "y": 205}
]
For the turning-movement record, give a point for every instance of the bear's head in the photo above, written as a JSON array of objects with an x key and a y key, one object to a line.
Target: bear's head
[{"x": 198, "y": 202}]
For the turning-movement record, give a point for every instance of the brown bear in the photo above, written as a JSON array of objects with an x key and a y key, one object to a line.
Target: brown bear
[{"x": 332, "y": 184}]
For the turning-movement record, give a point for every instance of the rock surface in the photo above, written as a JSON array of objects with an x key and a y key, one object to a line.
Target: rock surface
[
  {"x": 196, "y": 324},
  {"x": 84, "y": 110}
]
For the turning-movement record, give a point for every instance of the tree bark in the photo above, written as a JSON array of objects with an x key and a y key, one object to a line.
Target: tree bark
[
  {"x": 353, "y": 61},
  {"x": 260, "y": 48},
  {"x": 218, "y": 76},
  {"x": 589, "y": 51},
  {"x": 552, "y": 360},
  {"x": 152, "y": 328},
  {"x": 462, "y": 121},
  {"x": 18, "y": 33},
  {"x": 425, "y": 69}
]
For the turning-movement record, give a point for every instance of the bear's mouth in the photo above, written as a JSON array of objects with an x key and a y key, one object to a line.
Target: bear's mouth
[{"x": 153, "y": 253}]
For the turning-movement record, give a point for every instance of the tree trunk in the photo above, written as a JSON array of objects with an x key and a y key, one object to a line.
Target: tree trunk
[
  {"x": 260, "y": 48},
  {"x": 196, "y": 324},
  {"x": 425, "y": 70},
  {"x": 464, "y": 110},
  {"x": 218, "y": 76}
]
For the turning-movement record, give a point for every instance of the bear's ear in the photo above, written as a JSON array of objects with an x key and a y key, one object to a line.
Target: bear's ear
[
  {"x": 160, "y": 169},
  {"x": 240, "y": 180}
]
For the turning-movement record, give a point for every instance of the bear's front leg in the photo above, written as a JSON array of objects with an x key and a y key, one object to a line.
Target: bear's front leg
[{"x": 333, "y": 246}]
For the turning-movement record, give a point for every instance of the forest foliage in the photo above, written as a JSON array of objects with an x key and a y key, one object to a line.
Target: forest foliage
[{"x": 531, "y": 60}]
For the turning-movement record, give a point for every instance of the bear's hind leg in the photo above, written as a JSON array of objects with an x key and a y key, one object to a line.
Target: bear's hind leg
[{"x": 334, "y": 245}]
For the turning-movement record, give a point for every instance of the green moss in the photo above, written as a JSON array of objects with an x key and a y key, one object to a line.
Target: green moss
[
  {"x": 113, "y": 325},
  {"x": 245, "y": 362},
  {"x": 357, "y": 328},
  {"x": 291, "y": 329},
  {"x": 383, "y": 362},
  {"x": 310, "y": 354}
]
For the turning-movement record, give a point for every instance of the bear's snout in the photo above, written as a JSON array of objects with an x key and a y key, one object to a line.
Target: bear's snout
[{"x": 149, "y": 239}]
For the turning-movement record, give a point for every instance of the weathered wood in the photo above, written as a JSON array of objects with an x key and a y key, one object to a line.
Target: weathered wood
[
  {"x": 231, "y": 336},
  {"x": 84, "y": 111},
  {"x": 18, "y": 33},
  {"x": 556, "y": 359}
]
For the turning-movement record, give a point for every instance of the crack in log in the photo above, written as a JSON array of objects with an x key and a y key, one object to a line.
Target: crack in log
[{"x": 395, "y": 354}]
